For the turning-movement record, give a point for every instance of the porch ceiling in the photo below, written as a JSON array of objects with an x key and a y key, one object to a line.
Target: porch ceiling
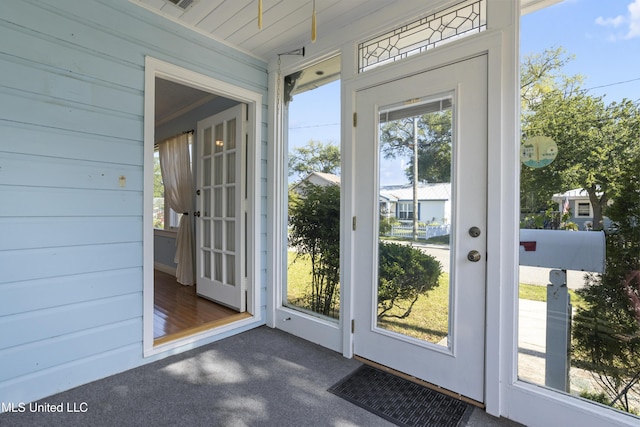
[{"x": 286, "y": 23}]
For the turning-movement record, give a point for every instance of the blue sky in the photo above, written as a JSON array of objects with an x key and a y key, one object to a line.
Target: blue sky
[{"x": 604, "y": 36}]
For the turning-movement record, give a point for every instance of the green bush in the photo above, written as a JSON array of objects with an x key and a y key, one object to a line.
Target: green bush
[
  {"x": 404, "y": 274},
  {"x": 314, "y": 221}
]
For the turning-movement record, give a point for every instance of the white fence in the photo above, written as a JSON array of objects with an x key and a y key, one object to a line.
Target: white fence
[{"x": 424, "y": 232}]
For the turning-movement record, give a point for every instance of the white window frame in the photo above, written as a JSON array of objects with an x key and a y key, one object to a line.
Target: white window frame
[
  {"x": 405, "y": 208},
  {"x": 588, "y": 214}
]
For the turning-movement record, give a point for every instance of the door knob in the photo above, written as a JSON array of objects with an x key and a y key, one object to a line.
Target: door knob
[
  {"x": 474, "y": 231},
  {"x": 474, "y": 256}
]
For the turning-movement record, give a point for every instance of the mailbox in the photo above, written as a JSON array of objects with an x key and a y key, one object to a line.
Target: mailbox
[{"x": 564, "y": 250}]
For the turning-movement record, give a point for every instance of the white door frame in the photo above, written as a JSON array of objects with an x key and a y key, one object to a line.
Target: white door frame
[
  {"x": 490, "y": 43},
  {"x": 157, "y": 68},
  {"x": 464, "y": 351}
]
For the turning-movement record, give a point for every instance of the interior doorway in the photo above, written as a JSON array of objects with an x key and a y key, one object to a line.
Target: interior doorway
[{"x": 176, "y": 100}]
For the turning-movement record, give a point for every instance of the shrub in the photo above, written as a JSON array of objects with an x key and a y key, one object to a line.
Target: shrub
[{"x": 404, "y": 274}]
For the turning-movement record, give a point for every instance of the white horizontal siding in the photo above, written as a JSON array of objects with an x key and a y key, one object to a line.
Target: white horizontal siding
[{"x": 71, "y": 118}]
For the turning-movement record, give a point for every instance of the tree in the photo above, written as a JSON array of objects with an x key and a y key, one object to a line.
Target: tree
[
  {"x": 594, "y": 143},
  {"x": 426, "y": 139},
  {"x": 541, "y": 73},
  {"x": 607, "y": 331},
  {"x": 434, "y": 145},
  {"x": 314, "y": 220},
  {"x": 315, "y": 156},
  {"x": 594, "y": 139}
]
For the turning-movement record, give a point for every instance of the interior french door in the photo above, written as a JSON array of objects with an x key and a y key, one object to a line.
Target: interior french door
[
  {"x": 443, "y": 342},
  {"x": 221, "y": 205}
]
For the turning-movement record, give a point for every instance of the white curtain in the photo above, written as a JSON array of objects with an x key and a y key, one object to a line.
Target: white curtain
[{"x": 175, "y": 166}]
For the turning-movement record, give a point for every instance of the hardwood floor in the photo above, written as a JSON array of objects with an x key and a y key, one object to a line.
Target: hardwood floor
[{"x": 179, "y": 312}]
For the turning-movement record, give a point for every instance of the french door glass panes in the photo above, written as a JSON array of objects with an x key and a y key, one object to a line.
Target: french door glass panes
[{"x": 220, "y": 234}]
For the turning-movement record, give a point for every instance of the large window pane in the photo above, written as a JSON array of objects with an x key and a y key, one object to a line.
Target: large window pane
[
  {"x": 579, "y": 306},
  {"x": 312, "y": 99}
]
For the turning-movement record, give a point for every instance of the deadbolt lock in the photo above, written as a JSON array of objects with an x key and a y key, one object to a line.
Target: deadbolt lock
[
  {"x": 474, "y": 256},
  {"x": 474, "y": 231}
]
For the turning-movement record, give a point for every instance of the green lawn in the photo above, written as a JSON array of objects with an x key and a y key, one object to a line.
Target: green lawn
[{"x": 429, "y": 318}]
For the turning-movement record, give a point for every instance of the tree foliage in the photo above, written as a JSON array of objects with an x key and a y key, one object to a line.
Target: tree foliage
[
  {"x": 434, "y": 145},
  {"x": 607, "y": 332},
  {"x": 404, "y": 273},
  {"x": 314, "y": 220},
  {"x": 594, "y": 139},
  {"x": 315, "y": 156}
]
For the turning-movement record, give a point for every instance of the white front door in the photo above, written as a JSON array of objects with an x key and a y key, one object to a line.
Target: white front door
[
  {"x": 221, "y": 206},
  {"x": 438, "y": 118}
]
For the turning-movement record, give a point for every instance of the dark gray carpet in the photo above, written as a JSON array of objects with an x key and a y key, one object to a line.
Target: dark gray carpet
[
  {"x": 263, "y": 377},
  {"x": 400, "y": 401}
]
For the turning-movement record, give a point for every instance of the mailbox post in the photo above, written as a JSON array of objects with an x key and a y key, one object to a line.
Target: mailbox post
[{"x": 562, "y": 251}]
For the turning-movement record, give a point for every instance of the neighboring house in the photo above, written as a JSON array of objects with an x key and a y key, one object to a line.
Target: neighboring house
[
  {"x": 577, "y": 203},
  {"x": 82, "y": 103},
  {"x": 317, "y": 178},
  {"x": 434, "y": 202}
]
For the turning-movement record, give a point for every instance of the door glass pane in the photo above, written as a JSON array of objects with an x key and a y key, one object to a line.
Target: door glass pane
[
  {"x": 208, "y": 142},
  {"x": 217, "y": 266},
  {"x": 231, "y": 236},
  {"x": 217, "y": 202},
  {"x": 219, "y": 142},
  {"x": 415, "y": 219},
  {"x": 312, "y": 265},
  {"x": 579, "y": 253},
  {"x": 231, "y": 134},
  {"x": 231, "y": 201},
  {"x": 206, "y": 233},
  {"x": 206, "y": 171},
  {"x": 231, "y": 167},
  {"x": 206, "y": 202},
  {"x": 231, "y": 270},
  {"x": 217, "y": 170},
  {"x": 217, "y": 235},
  {"x": 206, "y": 257}
]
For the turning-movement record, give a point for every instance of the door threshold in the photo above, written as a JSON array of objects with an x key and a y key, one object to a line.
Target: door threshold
[
  {"x": 201, "y": 328},
  {"x": 420, "y": 382}
]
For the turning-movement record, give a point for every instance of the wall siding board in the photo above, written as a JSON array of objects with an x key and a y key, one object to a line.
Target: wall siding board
[
  {"x": 66, "y": 290},
  {"x": 53, "y": 202},
  {"x": 62, "y": 377},
  {"x": 68, "y": 260},
  {"x": 31, "y": 45},
  {"x": 44, "y": 354},
  {"x": 21, "y": 170},
  {"x": 135, "y": 30},
  {"x": 58, "y": 321},
  {"x": 42, "y": 232},
  {"x": 31, "y": 77},
  {"x": 60, "y": 143},
  {"x": 23, "y": 107},
  {"x": 72, "y": 122}
]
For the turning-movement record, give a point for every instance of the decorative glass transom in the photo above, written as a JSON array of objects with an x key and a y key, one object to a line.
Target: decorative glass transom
[{"x": 457, "y": 21}]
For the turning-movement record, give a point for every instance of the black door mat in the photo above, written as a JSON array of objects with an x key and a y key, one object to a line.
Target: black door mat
[{"x": 401, "y": 401}]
